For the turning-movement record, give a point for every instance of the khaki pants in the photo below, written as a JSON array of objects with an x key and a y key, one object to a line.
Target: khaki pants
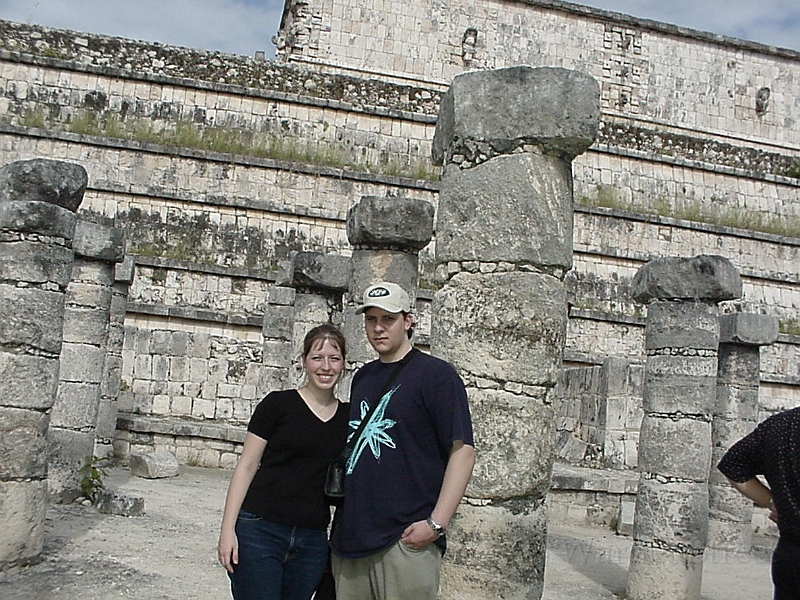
[{"x": 398, "y": 573}]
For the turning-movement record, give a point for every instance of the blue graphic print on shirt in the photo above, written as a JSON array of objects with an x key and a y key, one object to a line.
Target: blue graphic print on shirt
[{"x": 374, "y": 433}]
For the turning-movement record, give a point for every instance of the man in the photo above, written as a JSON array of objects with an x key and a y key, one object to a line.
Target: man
[
  {"x": 773, "y": 450},
  {"x": 409, "y": 469}
]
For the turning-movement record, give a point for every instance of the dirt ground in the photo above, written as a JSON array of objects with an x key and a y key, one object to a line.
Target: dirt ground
[{"x": 170, "y": 552}]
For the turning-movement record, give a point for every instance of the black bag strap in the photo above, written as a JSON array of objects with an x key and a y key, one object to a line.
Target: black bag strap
[{"x": 392, "y": 376}]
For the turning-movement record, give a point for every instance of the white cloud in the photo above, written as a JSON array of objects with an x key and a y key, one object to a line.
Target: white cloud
[{"x": 773, "y": 22}]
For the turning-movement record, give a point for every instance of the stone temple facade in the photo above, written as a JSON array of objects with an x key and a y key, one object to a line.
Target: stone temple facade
[{"x": 215, "y": 170}]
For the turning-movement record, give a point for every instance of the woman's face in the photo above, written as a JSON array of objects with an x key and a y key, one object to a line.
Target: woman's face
[{"x": 324, "y": 365}]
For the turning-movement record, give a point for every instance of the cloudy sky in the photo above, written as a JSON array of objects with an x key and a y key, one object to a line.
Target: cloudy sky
[{"x": 245, "y": 26}]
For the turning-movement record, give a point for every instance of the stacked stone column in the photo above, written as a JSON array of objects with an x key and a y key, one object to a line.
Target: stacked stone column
[
  {"x": 87, "y": 315},
  {"x": 387, "y": 235},
  {"x": 112, "y": 368},
  {"x": 730, "y": 514},
  {"x": 320, "y": 281},
  {"x": 506, "y": 139},
  {"x": 681, "y": 339},
  {"x": 38, "y": 200}
]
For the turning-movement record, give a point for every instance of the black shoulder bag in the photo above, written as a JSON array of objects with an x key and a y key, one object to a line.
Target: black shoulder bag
[{"x": 334, "y": 480}]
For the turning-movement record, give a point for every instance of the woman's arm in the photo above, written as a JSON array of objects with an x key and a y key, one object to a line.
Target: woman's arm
[{"x": 228, "y": 545}]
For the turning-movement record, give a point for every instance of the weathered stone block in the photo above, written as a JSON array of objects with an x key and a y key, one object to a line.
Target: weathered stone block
[
  {"x": 88, "y": 295},
  {"x": 278, "y": 353},
  {"x": 321, "y": 271},
  {"x": 86, "y": 325},
  {"x": 99, "y": 242},
  {"x": 278, "y": 322},
  {"x": 371, "y": 266},
  {"x": 515, "y": 435},
  {"x": 675, "y": 447},
  {"x": 81, "y": 363},
  {"x": 32, "y": 262},
  {"x": 515, "y": 208},
  {"x": 156, "y": 465},
  {"x": 23, "y": 443},
  {"x": 38, "y": 217},
  {"x": 657, "y": 574},
  {"x": 281, "y": 295},
  {"x": 311, "y": 310},
  {"x": 76, "y": 405},
  {"x": 620, "y": 377},
  {"x": 57, "y": 182},
  {"x": 673, "y": 515},
  {"x": 680, "y": 384},
  {"x": 378, "y": 222},
  {"x": 514, "y": 325},
  {"x": 22, "y": 520},
  {"x": 496, "y": 551},
  {"x": 28, "y": 381},
  {"x": 67, "y": 452},
  {"x": 692, "y": 325},
  {"x": 557, "y": 109},
  {"x": 115, "y": 503},
  {"x": 31, "y": 317},
  {"x": 748, "y": 329},
  {"x": 729, "y": 536},
  {"x": 726, "y": 432},
  {"x": 701, "y": 278},
  {"x": 739, "y": 364},
  {"x": 736, "y": 402}
]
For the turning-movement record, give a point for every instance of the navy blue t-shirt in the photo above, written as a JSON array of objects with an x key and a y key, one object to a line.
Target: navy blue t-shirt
[
  {"x": 395, "y": 472},
  {"x": 772, "y": 449},
  {"x": 288, "y": 486}
]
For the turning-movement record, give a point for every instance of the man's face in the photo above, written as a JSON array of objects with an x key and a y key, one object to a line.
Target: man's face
[{"x": 386, "y": 332}]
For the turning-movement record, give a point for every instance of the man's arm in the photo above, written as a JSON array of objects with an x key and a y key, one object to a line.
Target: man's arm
[
  {"x": 456, "y": 477},
  {"x": 758, "y": 493}
]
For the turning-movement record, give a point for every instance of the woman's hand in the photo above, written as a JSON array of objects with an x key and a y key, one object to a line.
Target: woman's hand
[{"x": 228, "y": 550}]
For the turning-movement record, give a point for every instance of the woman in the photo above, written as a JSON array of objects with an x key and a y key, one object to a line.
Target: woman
[{"x": 273, "y": 539}]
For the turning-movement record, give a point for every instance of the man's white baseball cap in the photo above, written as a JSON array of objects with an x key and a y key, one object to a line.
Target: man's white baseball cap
[{"x": 386, "y": 295}]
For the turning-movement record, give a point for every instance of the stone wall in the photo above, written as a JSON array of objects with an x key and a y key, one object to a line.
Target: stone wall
[
  {"x": 650, "y": 71},
  {"x": 209, "y": 226}
]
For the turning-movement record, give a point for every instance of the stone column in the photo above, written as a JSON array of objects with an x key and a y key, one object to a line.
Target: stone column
[
  {"x": 112, "y": 367},
  {"x": 73, "y": 422},
  {"x": 730, "y": 514},
  {"x": 320, "y": 282},
  {"x": 506, "y": 139},
  {"x": 38, "y": 200},
  {"x": 387, "y": 235},
  {"x": 681, "y": 338}
]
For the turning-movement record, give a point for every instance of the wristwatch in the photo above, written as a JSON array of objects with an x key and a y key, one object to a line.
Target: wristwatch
[{"x": 437, "y": 529}]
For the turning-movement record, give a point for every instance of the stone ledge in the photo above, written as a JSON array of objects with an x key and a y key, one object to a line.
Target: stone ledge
[
  {"x": 194, "y": 314},
  {"x": 180, "y": 427},
  {"x": 573, "y": 478}
]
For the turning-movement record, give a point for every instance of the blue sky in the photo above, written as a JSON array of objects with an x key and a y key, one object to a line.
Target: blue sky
[{"x": 246, "y": 26}]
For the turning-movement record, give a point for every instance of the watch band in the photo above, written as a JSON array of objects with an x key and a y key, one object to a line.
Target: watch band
[{"x": 437, "y": 529}]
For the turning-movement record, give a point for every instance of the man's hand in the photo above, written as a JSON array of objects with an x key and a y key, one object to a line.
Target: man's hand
[{"x": 418, "y": 536}]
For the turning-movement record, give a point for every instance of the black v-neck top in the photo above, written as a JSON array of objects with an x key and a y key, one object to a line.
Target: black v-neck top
[{"x": 288, "y": 486}]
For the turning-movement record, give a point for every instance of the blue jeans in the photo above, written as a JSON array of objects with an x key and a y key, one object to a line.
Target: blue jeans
[{"x": 276, "y": 561}]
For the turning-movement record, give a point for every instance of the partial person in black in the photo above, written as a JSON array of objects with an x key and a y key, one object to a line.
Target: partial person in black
[
  {"x": 273, "y": 541},
  {"x": 773, "y": 450}
]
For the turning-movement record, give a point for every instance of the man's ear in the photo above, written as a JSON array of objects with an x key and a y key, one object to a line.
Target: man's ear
[{"x": 408, "y": 321}]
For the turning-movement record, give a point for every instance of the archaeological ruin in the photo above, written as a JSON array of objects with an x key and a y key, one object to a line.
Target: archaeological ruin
[{"x": 606, "y": 209}]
